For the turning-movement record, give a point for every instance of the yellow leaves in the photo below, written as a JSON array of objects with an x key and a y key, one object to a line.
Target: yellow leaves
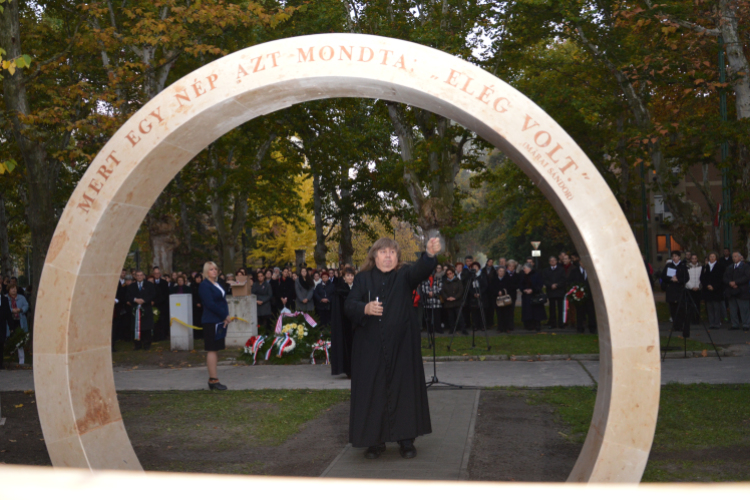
[
  {"x": 668, "y": 29},
  {"x": 7, "y": 166}
]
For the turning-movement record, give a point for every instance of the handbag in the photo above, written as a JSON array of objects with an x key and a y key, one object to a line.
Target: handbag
[
  {"x": 503, "y": 300},
  {"x": 539, "y": 299}
]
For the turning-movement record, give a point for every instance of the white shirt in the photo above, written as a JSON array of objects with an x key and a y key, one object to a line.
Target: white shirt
[
  {"x": 711, "y": 265},
  {"x": 223, "y": 293}
]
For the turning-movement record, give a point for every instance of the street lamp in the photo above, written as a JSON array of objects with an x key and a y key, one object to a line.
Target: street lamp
[{"x": 536, "y": 253}]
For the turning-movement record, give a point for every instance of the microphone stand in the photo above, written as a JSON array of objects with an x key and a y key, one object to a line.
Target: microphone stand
[{"x": 434, "y": 381}]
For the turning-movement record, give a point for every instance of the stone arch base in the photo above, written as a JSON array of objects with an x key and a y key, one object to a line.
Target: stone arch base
[{"x": 73, "y": 367}]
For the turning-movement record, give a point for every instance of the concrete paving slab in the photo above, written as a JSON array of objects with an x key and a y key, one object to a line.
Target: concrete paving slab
[
  {"x": 511, "y": 373},
  {"x": 440, "y": 455},
  {"x": 697, "y": 370}
]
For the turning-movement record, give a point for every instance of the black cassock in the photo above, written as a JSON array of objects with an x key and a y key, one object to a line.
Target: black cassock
[
  {"x": 389, "y": 397},
  {"x": 341, "y": 332}
]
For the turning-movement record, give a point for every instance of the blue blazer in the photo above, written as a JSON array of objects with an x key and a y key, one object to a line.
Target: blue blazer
[{"x": 215, "y": 308}]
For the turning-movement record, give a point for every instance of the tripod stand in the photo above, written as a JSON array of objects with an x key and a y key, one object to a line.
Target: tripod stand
[
  {"x": 687, "y": 303},
  {"x": 475, "y": 286},
  {"x": 431, "y": 337}
]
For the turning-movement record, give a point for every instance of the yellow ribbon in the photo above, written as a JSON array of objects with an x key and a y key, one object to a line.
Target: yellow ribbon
[{"x": 171, "y": 320}]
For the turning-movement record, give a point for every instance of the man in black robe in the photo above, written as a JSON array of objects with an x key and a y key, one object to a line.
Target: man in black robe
[
  {"x": 341, "y": 327},
  {"x": 389, "y": 397}
]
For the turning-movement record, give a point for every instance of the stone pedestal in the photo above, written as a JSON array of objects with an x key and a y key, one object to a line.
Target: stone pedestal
[
  {"x": 181, "y": 307},
  {"x": 246, "y": 308}
]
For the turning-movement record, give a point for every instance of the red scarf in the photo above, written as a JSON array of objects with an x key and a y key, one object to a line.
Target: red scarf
[{"x": 16, "y": 316}]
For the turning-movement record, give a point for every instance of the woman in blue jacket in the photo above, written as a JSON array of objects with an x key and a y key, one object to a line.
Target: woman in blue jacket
[{"x": 215, "y": 314}]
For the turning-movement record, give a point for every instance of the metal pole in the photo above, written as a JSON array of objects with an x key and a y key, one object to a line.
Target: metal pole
[
  {"x": 726, "y": 193},
  {"x": 646, "y": 235}
]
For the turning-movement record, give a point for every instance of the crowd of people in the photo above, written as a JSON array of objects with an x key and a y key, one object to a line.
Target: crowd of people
[
  {"x": 440, "y": 301},
  {"x": 469, "y": 295},
  {"x": 312, "y": 290},
  {"x": 721, "y": 284}
]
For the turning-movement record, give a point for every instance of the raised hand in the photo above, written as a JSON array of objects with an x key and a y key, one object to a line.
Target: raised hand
[{"x": 434, "y": 247}]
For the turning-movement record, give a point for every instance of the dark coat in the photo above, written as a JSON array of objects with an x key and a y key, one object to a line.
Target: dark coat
[
  {"x": 714, "y": 278},
  {"x": 215, "y": 307},
  {"x": 554, "y": 276},
  {"x": 285, "y": 290},
  {"x": 529, "y": 311},
  {"x": 389, "y": 397},
  {"x": 453, "y": 289},
  {"x": 478, "y": 285},
  {"x": 341, "y": 333},
  {"x": 263, "y": 293},
  {"x": 148, "y": 294},
  {"x": 513, "y": 283},
  {"x": 197, "y": 305},
  {"x": 674, "y": 289},
  {"x": 741, "y": 276},
  {"x": 162, "y": 296},
  {"x": 500, "y": 285},
  {"x": 324, "y": 291},
  {"x": 6, "y": 316}
]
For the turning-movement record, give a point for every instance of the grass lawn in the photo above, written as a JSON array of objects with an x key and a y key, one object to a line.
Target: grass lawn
[
  {"x": 270, "y": 415},
  {"x": 532, "y": 344},
  {"x": 702, "y": 434}
]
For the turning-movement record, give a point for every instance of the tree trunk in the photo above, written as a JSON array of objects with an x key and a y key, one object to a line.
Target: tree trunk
[
  {"x": 41, "y": 170},
  {"x": 436, "y": 211},
  {"x": 320, "y": 236},
  {"x": 163, "y": 241},
  {"x": 5, "y": 261},
  {"x": 345, "y": 236}
]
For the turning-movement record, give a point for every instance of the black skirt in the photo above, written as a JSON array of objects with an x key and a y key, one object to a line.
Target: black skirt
[{"x": 209, "y": 338}]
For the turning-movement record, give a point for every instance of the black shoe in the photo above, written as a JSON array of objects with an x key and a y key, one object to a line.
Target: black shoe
[
  {"x": 374, "y": 451},
  {"x": 464, "y": 333},
  {"x": 407, "y": 449},
  {"x": 216, "y": 386}
]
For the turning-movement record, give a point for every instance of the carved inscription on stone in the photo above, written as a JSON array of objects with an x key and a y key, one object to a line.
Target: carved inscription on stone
[{"x": 541, "y": 146}]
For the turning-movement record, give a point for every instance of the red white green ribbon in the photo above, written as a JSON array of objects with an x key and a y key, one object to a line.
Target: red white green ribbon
[
  {"x": 137, "y": 333},
  {"x": 320, "y": 345},
  {"x": 254, "y": 344},
  {"x": 567, "y": 305},
  {"x": 281, "y": 343}
]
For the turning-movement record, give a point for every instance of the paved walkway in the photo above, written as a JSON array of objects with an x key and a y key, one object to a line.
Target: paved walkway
[
  {"x": 442, "y": 455},
  {"x": 468, "y": 373}
]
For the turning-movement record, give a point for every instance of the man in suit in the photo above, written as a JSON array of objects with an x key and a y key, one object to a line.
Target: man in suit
[
  {"x": 584, "y": 310},
  {"x": 554, "y": 281},
  {"x": 737, "y": 291},
  {"x": 724, "y": 262},
  {"x": 140, "y": 296},
  {"x": 161, "y": 302},
  {"x": 712, "y": 280},
  {"x": 674, "y": 277},
  {"x": 465, "y": 274}
]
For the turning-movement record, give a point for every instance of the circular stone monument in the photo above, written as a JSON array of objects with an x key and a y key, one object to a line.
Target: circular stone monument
[{"x": 73, "y": 373}]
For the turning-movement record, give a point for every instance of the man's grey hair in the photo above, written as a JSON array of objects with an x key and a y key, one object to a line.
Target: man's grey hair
[
  {"x": 129, "y": 277},
  {"x": 529, "y": 265}
]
